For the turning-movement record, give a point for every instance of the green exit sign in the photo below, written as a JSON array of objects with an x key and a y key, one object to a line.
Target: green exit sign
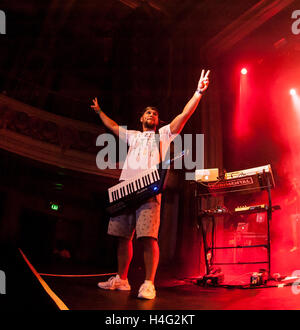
[{"x": 54, "y": 207}]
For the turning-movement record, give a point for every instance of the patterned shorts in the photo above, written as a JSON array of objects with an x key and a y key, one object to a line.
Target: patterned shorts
[{"x": 144, "y": 221}]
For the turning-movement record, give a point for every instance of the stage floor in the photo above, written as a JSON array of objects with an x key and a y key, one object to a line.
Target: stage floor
[
  {"x": 26, "y": 291},
  {"x": 83, "y": 294}
]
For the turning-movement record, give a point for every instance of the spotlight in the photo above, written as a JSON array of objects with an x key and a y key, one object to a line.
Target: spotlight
[
  {"x": 293, "y": 91},
  {"x": 244, "y": 71}
]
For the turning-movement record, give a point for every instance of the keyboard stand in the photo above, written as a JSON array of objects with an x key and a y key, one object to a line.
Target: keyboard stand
[{"x": 209, "y": 250}]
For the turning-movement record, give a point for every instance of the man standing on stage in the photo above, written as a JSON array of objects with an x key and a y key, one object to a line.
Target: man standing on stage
[{"x": 144, "y": 153}]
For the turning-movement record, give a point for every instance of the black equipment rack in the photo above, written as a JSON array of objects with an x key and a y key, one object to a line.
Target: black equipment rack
[{"x": 202, "y": 192}]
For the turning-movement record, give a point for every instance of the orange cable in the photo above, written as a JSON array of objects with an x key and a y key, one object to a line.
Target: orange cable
[
  {"x": 83, "y": 275},
  {"x": 54, "y": 297}
]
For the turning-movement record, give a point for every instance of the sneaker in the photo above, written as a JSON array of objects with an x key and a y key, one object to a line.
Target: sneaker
[
  {"x": 115, "y": 283},
  {"x": 147, "y": 291}
]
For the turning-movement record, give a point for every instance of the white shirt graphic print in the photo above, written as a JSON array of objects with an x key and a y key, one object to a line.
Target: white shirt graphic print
[{"x": 143, "y": 150}]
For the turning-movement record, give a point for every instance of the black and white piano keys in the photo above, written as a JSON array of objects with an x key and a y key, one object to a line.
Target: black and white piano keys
[
  {"x": 135, "y": 184},
  {"x": 131, "y": 192}
]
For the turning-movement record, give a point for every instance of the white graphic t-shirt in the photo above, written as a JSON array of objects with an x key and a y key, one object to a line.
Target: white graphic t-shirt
[{"x": 143, "y": 150}]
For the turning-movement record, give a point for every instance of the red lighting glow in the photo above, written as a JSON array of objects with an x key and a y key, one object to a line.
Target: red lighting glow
[
  {"x": 296, "y": 102},
  {"x": 266, "y": 128},
  {"x": 244, "y": 71},
  {"x": 243, "y": 105}
]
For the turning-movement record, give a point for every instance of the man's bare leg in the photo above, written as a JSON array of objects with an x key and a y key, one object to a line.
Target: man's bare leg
[
  {"x": 151, "y": 257},
  {"x": 125, "y": 252}
]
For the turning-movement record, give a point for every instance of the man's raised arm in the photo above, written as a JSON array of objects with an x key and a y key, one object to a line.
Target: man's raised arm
[
  {"x": 109, "y": 123},
  {"x": 178, "y": 122}
]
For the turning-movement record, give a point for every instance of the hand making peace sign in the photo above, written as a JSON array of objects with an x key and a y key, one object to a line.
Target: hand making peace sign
[
  {"x": 95, "y": 107},
  {"x": 203, "y": 81}
]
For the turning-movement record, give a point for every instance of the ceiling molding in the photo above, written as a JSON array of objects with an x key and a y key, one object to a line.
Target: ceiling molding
[
  {"x": 49, "y": 138},
  {"x": 252, "y": 19},
  {"x": 156, "y": 4},
  {"x": 130, "y": 3}
]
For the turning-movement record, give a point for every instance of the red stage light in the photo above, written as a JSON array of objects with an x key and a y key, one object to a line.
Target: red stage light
[
  {"x": 293, "y": 91},
  {"x": 244, "y": 71}
]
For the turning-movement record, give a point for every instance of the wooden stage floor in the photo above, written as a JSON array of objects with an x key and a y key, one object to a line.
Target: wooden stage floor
[{"x": 26, "y": 292}]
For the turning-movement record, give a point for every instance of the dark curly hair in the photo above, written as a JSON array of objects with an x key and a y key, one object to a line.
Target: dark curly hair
[{"x": 160, "y": 122}]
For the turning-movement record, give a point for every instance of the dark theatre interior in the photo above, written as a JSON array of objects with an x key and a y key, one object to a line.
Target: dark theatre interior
[{"x": 219, "y": 250}]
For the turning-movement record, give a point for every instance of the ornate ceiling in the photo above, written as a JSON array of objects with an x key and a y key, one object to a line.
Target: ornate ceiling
[{"x": 58, "y": 55}]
